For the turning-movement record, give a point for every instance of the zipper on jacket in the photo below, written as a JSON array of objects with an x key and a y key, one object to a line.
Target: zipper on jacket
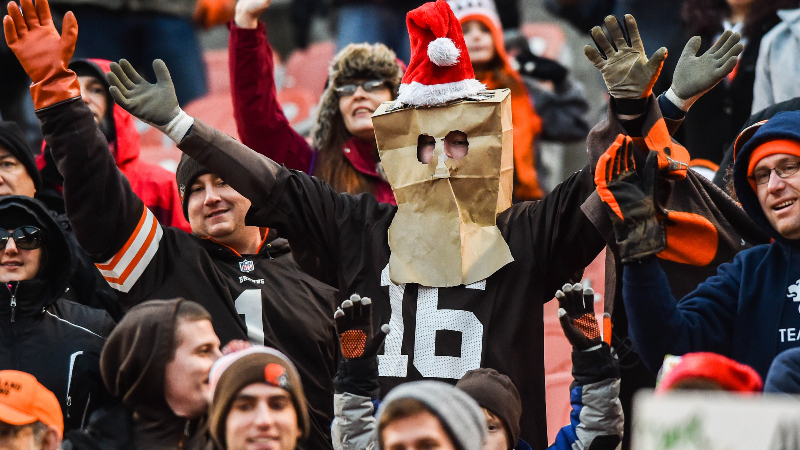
[
  {"x": 72, "y": 359},
  {"x": 13, "y": 301}
]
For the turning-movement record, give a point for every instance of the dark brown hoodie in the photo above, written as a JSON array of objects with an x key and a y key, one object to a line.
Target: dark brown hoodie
[{"x": 133, "y": 365}]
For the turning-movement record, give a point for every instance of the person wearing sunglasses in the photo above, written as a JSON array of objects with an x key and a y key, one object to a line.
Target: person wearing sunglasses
[
  {"x": 343, "y": 151},
  {"x": 54, "y": 339}
]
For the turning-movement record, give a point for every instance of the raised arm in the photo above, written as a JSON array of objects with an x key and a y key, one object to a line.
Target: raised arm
[{"x": 260, "y": 120}]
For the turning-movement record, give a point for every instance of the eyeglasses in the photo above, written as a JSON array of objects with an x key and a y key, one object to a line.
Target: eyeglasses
[
  {"x": 784, "y": 170},
  {"x": 369, "y": 86},
  {"x": 26, "y": 238}
]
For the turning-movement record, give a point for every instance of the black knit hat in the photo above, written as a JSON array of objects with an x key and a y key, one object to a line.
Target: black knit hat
[
  {"x": 497, "y": 393},
  {"x": 12, "y": 139},
  {"x": 188, "y": 171}
]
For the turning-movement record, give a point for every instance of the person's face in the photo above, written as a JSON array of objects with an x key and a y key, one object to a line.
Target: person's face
[
  {"x": 17, "y": 264},
  {"x": 357, "y": 110},
  {"x": 479, "y": 40},
  {"x": 14, "y": 178},
  {"x": 421, "y": 431},
  {"x": 498, "y": 438},
  {"x": 186, "y": 386},
  {"x": 455, "y": 146},
  {"x": 94, "y": 95},
  {"x": 215, "y": 209},
  {"x": 779, "y": 197},
  {"x": 13, "y": 437},
  {"x": 262, "y": 417}
]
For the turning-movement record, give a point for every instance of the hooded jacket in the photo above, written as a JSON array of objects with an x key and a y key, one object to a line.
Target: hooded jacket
[
  {"x": 263, "y": 126},
  {"x": 263, "y": 297},
  {"x": 55, "y": 340},
  {"x": 777, "y": 56},
  {"x": 741, "y": 312},
  {"x": 527, "y": 124},
  {"x": 155, "y": 185}
]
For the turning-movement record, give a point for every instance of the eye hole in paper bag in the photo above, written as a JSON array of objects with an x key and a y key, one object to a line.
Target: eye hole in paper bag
[{"x": 456, "y": 146}]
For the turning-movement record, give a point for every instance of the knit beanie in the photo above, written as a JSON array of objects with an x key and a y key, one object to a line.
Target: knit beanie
[
  {"x": 354, "y": 62},
  {"x": 256, "y": 364},
  {"x": 497, "y": 393},
  {"x": 729, "y": 374},
  {"x": 187, "y": 172},
  {"x": 784, "y": 373},
  {"x": 459, "y": 414},
  {"x": 12, "y": 139}
]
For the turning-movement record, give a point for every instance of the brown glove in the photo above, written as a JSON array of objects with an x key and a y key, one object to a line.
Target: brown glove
[
  {"x": 209, "y": 13},
  {"x": 43, "y": 53}
]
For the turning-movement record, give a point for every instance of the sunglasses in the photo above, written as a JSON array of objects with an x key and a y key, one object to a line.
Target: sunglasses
[
  {"x": 26, "y": 238},
  {"x": 368, "y": 86}
]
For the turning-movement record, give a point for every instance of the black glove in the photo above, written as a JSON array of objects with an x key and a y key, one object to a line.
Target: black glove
[
  {"x": 630, "y": 200},
  {"x": 576, "y": 314},
  {"x": 539, "y": 67},
  {"x": 354, "y": 327}
]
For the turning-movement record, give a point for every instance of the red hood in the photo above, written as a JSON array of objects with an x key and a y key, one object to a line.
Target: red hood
[{"x": 126, "y": 148}]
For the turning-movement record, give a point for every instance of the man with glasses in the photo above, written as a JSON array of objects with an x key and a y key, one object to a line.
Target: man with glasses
[
  {"x": 750, "y": 310},
  {"x": 41, "y": 333}
]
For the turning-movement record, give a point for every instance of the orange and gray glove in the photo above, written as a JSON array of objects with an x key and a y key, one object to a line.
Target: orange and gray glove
[
  {"x": 354, "y": 327},
  {"x": 576, "y": 315},
  {"x": 630, "y": 200},
  {"x": 624, "y": 65},
  {"x": 43, "y": 53},
  {"x": 210, "y": 13},
  {"x": 695, "y": 75}
]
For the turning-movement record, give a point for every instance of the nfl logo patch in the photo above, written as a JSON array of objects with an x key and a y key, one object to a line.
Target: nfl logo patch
[{"x": 247, "y": 266}]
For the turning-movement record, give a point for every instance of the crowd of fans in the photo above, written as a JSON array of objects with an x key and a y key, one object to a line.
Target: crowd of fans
[{"x": 379, "y": 283}]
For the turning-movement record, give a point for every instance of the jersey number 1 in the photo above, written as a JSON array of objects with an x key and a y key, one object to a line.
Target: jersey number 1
[{"x": 430, "y": 319}]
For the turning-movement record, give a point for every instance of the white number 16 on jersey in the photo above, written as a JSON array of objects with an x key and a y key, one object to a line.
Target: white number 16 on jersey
[{"x": 430, "y": 319}]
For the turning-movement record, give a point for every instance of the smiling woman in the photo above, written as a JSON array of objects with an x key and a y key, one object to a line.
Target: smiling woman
[{"x": 343, "y": 152}]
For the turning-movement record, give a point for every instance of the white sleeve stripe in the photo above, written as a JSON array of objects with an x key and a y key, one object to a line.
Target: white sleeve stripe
[{"x": 123, "y": 273}]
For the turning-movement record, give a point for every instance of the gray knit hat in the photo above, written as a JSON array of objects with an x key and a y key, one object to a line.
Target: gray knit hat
[
  {"x": 497, "y": 393},
  {"x": 459, "y": 413},
  {"x": 188, "y": 171}
]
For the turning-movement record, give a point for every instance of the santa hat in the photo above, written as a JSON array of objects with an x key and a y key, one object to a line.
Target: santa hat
[{"x": 440, "y": 69}]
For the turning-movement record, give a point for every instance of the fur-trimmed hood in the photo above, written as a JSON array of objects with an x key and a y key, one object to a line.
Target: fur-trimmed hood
[{"x": 354, "y": 62}]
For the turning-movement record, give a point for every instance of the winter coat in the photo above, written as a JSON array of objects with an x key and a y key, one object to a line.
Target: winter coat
[
  {"x": 594, "y": 395},
  {"x": 262, "y": 124},
  {"x": 155, "y": 185},
  {"x": 55, "y": 340},
  {"x": 777, "y": 57},
  {"x": 343, "y": 240},
  {"x": 264, "y": 297},
  {"x": 740, "y": 311}
]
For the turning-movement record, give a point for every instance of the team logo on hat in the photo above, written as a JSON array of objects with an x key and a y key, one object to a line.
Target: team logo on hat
[
  {"x": 275, "y": 374},
  {"x": 247, "y": 266}
]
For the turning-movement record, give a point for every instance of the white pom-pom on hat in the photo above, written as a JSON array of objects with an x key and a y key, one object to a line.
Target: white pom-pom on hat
[{"x": 443, "y": 52}]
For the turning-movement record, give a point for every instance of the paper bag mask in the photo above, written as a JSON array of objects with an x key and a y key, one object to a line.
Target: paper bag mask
[{"x": 445, "y": 230}]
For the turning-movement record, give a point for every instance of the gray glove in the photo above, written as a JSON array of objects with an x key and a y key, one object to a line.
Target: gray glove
[
  {"x": 695, "y": 75},
  {"x": 625, "y": 67}
]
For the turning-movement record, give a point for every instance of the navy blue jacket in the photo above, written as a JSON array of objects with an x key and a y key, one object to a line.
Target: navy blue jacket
[{"x": 737, "y": 312}]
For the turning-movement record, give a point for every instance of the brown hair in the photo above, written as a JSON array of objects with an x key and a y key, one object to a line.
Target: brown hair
[
  {"x": 187, "y": 312},
  {"x": 335, "y": 169}
]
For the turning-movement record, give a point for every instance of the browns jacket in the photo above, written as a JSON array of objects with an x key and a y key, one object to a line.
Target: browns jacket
[
  {"x": 436, "y": 333},
  {"x": 264, "y": 297}
]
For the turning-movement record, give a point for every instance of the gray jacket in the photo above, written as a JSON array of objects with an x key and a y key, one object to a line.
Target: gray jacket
[{"x": 778, "y": 62}]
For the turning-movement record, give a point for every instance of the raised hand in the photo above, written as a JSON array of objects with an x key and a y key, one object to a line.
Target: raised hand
[
  {"x": 631, "y": 200},
  {"x": 624, "y": 66},
  {"x": 153, "y": 103},
  {"x": 695, "y": 75},
  {"x": 248, "y": 12},
  {"x": 43, "y": 53},
  {"x": 576, "y": 315},
  {"x": 354, "y": 327}
]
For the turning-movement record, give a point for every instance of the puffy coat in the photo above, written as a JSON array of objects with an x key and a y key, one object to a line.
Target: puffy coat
[{"x": 55, "y": 340}]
